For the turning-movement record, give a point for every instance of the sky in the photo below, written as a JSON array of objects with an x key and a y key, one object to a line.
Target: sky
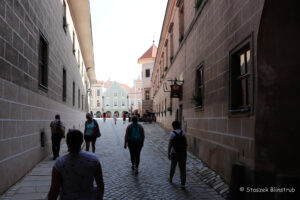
[{"x": 123, "y": 30}]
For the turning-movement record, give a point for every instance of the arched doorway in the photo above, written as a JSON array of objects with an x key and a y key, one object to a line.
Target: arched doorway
[
  {"x": 98, "y": 114},
  {"x": 108, "y": 114},
  {"x": 117, "y": 113},
  {"x": 277, "y": 159}
]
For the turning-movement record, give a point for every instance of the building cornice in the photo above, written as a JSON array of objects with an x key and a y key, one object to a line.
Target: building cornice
[{"x": 81, "y": 16}]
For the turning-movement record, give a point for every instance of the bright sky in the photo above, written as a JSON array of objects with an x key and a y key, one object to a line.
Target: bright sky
[{"x": 123, "y": 31}]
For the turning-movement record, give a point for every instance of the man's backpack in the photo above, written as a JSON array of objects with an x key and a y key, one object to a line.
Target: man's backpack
[
  {"x": 135, "y": 133},
  {"x": 58, "y": 129},
  {"x": 179, "y": 142}
]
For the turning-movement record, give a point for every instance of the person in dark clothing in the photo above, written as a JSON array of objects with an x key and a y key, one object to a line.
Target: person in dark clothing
[
  {"x": 104, "y": 117},
  {"x": 134, "y": 138},
  {"x": 177, "y": 152},
  {"x": 57, "y": 133}
]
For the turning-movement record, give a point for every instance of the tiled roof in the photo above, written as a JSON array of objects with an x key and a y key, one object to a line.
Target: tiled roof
[{"x": 150, "y": 53}]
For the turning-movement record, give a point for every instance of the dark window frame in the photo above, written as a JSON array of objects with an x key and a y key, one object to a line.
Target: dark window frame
[
  {"x": 73, "y": 43},
  {"x": 43, "y": 62},
  {"x": 73, "y": 97},
  {"x": 198, "y": 98},
  {"x": 64, "y": 88},
  {"x": 147, "y": 73},
  {"x": 78, "y": 98},
  {"x": 234, "y": 95},
  {"x": 65, "y": 23},
  {"x": 147, "y": 95}
]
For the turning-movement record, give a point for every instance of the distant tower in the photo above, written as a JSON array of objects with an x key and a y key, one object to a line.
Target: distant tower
[{"x": 147, "y": 61}]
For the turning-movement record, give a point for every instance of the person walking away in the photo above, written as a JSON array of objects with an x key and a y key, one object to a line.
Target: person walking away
[
  {"x": 115, "y": 118},
  {"x": 73, "y": 174},
  {"x": 124, "y": 118},
  {"x": 134, "y": 138},
  {"x": 130, "y": 116},
  {"x": 177, "y": 152},
  {"x": 91, "y": 132},
  {"x": 57, "y": 133},
  {"x": 104, "y": 117}
]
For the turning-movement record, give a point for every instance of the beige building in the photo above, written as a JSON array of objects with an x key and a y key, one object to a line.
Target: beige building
[
  {"x": 96, "y": 96},
  {"x": 235, "y": 83},
  {"x": 46, "y": 68},
  {"x": 135, "y": 96},
  {"x": 147, "y": 62}
]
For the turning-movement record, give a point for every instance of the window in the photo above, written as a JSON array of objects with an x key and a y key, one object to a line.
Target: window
[
  {"x": 78, "y": 59},
  {"x": 181, "y": 21},
  {"x": 147, "y": 95},
  {"x": 65, "y": 24},
  {"x": 81, "y": 102},
  {"x": 98, "y": 92},
  {"x": 64, "y": 94},
  {"x": 240, "y": 79},
  {"x": 73, "y": 40},
  {"x": 73, "y": 93},
  {"x": 115, "y": 103},
  {"x": 198, "y": 3},
  {"x": 123, "y": 102},
  {"x": 115, "y": 94},
  {"x": 198, "y": 97},
  {"x": 98, "y": 103},
  {"x": 78, "y": 98},
  {"x": 43, "y": 63},
  {"x": 147, "y": 73}
]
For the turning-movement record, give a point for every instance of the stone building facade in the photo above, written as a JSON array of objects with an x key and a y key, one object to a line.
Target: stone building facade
[
  {"x": 46, "y": 68},
  {"x": 236, "y": 61},
  {"x": 115, "y": 99},
  {"x": 147, "y": 62}
]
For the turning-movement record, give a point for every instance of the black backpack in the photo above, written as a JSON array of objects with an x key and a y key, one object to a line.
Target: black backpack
[
  {"x": 58, "y": 129},
  {"x": 179, "y": 142}
]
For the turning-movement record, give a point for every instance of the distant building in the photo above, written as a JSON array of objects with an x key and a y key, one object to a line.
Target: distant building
[
  {"x": 96, "y": 98},
  {"x": 115, "y": 99},
  {"x": 46, "y": 68},
  {"x": 135, "y": 96},
  {"x": 147, "y": 61}
]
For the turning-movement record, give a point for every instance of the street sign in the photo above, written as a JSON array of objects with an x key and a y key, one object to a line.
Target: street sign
[{"x": 176, "y": 91}]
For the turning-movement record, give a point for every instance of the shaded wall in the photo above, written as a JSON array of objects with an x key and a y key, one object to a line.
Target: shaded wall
[{"x": 277, "y": 138}]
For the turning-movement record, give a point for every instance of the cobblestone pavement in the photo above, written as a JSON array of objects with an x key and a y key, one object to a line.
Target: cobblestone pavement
[{"x": 120, "y": 181}]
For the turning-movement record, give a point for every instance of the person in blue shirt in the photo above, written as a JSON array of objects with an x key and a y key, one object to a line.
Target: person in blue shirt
[{"x": 91, "y": 127}]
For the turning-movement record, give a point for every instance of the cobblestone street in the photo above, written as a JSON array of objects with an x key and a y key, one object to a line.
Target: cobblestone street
[{"x": 120, "y": 182}]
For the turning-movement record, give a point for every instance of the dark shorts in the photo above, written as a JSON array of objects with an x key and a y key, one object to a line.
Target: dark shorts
[{"x": 89, "y": 138}]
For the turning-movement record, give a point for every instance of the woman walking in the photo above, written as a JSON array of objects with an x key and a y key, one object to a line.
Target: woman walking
[
  {"x": 70, "y": 177},
  {"x": 134, "y": 138},
  {"x": 91, "y": 132},
  {"x": 115, "y": 118}
]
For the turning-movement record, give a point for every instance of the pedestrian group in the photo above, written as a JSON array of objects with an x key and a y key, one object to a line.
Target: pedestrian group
[{"x": 73, "y": 174}]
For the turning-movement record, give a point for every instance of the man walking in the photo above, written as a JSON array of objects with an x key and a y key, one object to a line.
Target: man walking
[
  {"x": 134, "y": 137},
  {"x": 177, "y": 152},
  {"x": 58, "y": 132},
  {"x": 104, "y": 117}
]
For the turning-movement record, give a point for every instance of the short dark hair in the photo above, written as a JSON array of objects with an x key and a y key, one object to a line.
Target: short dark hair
[
  {"x": 88, "y": 115},
  {"x": 134, "y": 119},
  {"x": 57, "y": 116},
  {"x": 74, "y": 140},
  {"x": 176, "y": 124}
]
